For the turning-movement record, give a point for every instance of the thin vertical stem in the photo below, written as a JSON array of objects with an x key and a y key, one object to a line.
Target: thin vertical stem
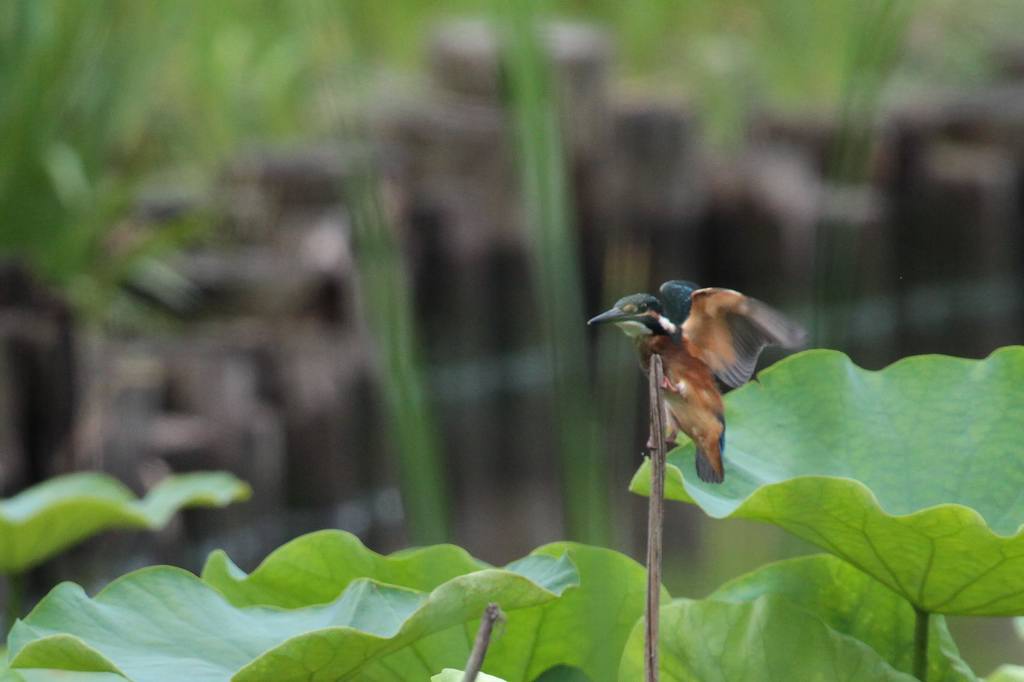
[
  {"x": 921, "y": 644},
  {"x": 483, "y": 639},
  {"x": 655, "y": 511}
]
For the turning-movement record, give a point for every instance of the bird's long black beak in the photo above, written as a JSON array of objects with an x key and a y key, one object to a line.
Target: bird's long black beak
[{"x": 613, "y": 315}]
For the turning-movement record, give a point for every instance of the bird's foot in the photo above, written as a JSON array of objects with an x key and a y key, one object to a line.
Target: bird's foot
[{"x": 670, "y": 443}]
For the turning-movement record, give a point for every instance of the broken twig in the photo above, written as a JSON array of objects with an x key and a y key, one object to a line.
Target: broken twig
[{"x": 483, "y": 639}]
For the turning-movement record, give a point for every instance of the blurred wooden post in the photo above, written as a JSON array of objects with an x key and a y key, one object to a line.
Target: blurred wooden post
[
  {"x": 12, "y": 459},
  {"x": 658, "y": 189},
  {"x": 956, "y": 198},
  {"x": 39, "y": 393},
  {"x": 656, "y": 508}
]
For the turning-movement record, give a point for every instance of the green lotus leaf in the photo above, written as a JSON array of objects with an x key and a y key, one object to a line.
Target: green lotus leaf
[
  {"x": 1007, "y": 673},
  {"x": 586, "y": 628},
  {"x": 767, "y": 639},
  {"x": 52, "y": 516},
  {"x": 8, "y": 675},
  {"x": 317, "y": 567},
  {"x": 451, "y": 675},
  {"x": 165, "y": 623},
  {"x": 854, "y": 604},
  {"x": 913, "y": 473}
]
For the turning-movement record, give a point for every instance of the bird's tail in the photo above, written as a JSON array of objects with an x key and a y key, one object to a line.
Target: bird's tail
[
  {"x": 706, "y": 469},
  {"x": 709, "y": 459}
]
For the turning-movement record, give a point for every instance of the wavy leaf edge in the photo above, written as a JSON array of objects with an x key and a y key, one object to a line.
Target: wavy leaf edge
[
  {"x": 219, "y": 566},
  {"x": 123, "y": 500},
  {"x": 21, "y": 649}
]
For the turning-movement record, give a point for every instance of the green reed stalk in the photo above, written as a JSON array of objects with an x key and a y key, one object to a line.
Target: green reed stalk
[
  {"x": 555, "y": 269},
  {"x": 387, "y": 306}
]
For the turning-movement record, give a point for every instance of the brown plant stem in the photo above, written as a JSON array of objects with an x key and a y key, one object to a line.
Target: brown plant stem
[
  {"x": 483, "y": 639},
  {"x": 655, "y": 512}
]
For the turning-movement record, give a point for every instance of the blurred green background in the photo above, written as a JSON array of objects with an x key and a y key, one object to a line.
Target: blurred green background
[
  {"x": 123, "y": 123},
  {"x": 102, "y": 98}
]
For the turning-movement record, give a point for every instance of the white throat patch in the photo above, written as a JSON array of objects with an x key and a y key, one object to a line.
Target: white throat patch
[{"x": 633, "y": 329}]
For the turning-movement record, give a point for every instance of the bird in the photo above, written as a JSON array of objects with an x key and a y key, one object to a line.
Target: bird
[{"x": 709, "y": 338}]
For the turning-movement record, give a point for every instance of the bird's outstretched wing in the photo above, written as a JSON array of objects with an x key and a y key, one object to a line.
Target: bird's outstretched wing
[{"x": 728, "y": 330}]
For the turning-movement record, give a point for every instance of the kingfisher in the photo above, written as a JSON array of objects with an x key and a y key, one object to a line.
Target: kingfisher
[{"x": 708, "y": 338}]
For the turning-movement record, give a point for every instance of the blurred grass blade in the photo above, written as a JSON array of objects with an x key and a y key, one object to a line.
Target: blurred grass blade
[
  {"x": 555, "y": 271},
  {"x": 388, "y": 311},
  {"x": 74, "y": 109},
  {"x": 386, "y": 302}
]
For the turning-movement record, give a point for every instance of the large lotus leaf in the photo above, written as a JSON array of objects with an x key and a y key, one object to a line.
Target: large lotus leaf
[
  {"x": 8, "y": 675},
  {"x": 764, "y": 640},
  {"x": 854, "y": 604},
  {"x": 52, "y": 516},
  {"x": 586, "y": 628},
  {"x": 316, "y": 568},
  {"x": 164, "y": 623},
  {"x": 913, "y": 473}
]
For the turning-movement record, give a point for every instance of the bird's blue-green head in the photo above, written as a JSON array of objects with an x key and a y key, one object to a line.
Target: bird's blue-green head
[
  {"x": 645, "y": 314},
  {"x": 638, "y": 315}
]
